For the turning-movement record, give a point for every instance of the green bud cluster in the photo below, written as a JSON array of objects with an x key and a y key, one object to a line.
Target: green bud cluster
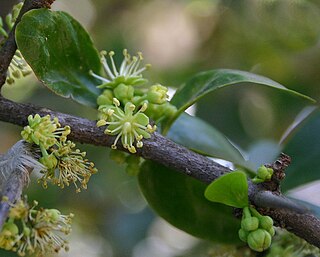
[
  {"x": 256, "y": 230},
  {"x": 132, "y": 161},
  {"x": 263, "y": 174},
  {"x": 18, "y": 67},
  {"x": 124, "y": 90},
  {"x": 34, "y": 231},
  {"x": 64, "y": 164}
]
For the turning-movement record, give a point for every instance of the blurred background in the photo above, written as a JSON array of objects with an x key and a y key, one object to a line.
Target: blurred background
[{"x": 275, "y": 38}]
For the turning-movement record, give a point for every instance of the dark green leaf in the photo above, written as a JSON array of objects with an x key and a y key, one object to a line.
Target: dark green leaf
[
  {"x": 208, "y": 81},
  {"x": 180, "y": 200},
  {"x": 61, "y": 54},
  {"x": 230, "y": 189},
  {"x": 199, "y": 136},
  {"x": 303, "y": 147}
]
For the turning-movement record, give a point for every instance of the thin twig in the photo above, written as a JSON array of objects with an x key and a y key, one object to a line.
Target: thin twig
[{"x": 172, "y": 155}]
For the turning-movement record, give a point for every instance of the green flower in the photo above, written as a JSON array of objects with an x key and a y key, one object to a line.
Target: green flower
[
  {"x": 42, "y": 231},
  {"x": 129, "y": 72},
  {"x": 259, "y": 240},
  {"x": 43, "y": 131},
  {"x": 126, "y": 124},
  {"x": 106, "y": 98},
  {"x": 157, "y": 94}
]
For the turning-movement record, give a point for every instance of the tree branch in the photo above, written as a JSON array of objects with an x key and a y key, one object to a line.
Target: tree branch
[
  {"x": 160, "y": 149},
  {"x": 9, "y": 48},
  {"x": 291, "y": 216},
  {"x": 15, "y": 167}
]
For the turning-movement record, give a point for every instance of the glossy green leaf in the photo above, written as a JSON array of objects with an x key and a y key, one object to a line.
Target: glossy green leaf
[
  {"x": 61, "y": 54},
  {"x": 208, "y": 81},
  {"x": 201, "y": 137},
  {"x": 304, "y": 149},
  {"x": 179, "y": 199},
  {"x": 230, "y": 189}
]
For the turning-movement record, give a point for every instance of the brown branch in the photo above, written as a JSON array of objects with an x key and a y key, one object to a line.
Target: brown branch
[
  {"x": 9, "y": 48},
  {"x": 13, "y": 185},
  {"x": 172, "y": 155}
]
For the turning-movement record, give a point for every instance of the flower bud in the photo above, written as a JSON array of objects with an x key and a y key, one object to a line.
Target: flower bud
[
  {"x": 157, "y": 94},
  {"x": 10, "y": 229},
  {"x": 123, "y": 92},
  {"x": 105, "y": 98},
  {"x": 266, "y": 222},
  {"x": 50, "y": 161},
  {"x": 264, "y": 173},
  {"x": 271, "y": 231},
  {"x": 250, "y": 224},
  {"x": 117, "y": 156},
  {"x": 259, "y": 240},
  {"x": 243, "y": 235},
  {"x": 53, "y": 214}
]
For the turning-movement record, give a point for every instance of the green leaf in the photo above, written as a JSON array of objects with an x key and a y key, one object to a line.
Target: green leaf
[
  {"x": 230, "y": 189},
  {"x": 179, "y": 199},
  {"x": 61, "y": 54},
  {"x": 304, "y": 149},
  {"x": 201, "y": 137},
  {"x": 262, "y": 152},
  {"x": 208, "y": 81}
]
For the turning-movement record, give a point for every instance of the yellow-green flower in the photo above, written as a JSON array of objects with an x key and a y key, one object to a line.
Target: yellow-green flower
[
  {"x": 38, "y": 231},
  {"x": 43, "y": 131},
  {"x": 71, "y": 167},
  {"x": 129, "y": 72},
  {"x": 126, "y": 124}
]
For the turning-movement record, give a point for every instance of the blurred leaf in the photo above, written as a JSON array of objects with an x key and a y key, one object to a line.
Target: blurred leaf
[
  {"x": 201, "y": 137},
  {"x": 208, "y": 81},
  {"x": 230, "y": 189},
  {"x": 303, "y": 148},
  {"x": 315, "y": 209},
  {"x": 262, "y": 152},
  {"x": 60, "y": 53},
  {"x": 179, "y": 199}
]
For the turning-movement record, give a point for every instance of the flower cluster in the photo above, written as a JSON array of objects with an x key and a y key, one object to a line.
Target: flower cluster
[
  {"x": 256, "y": 230},
  {"x": 65, "y": 164},
  {"x": 35, "y": 231},
  {"x": 124, "y": 93},
  {"x": 18, "y": 67},
  {"x": 263, "y": 174}
]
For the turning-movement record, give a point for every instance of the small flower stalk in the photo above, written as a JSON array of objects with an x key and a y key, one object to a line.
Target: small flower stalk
[
  {"x": 65, "y": 164},
  {"x": 35, "y": 231},
  {"x": 126, "y": 104},
  {"x": 18, "y": 67}
]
